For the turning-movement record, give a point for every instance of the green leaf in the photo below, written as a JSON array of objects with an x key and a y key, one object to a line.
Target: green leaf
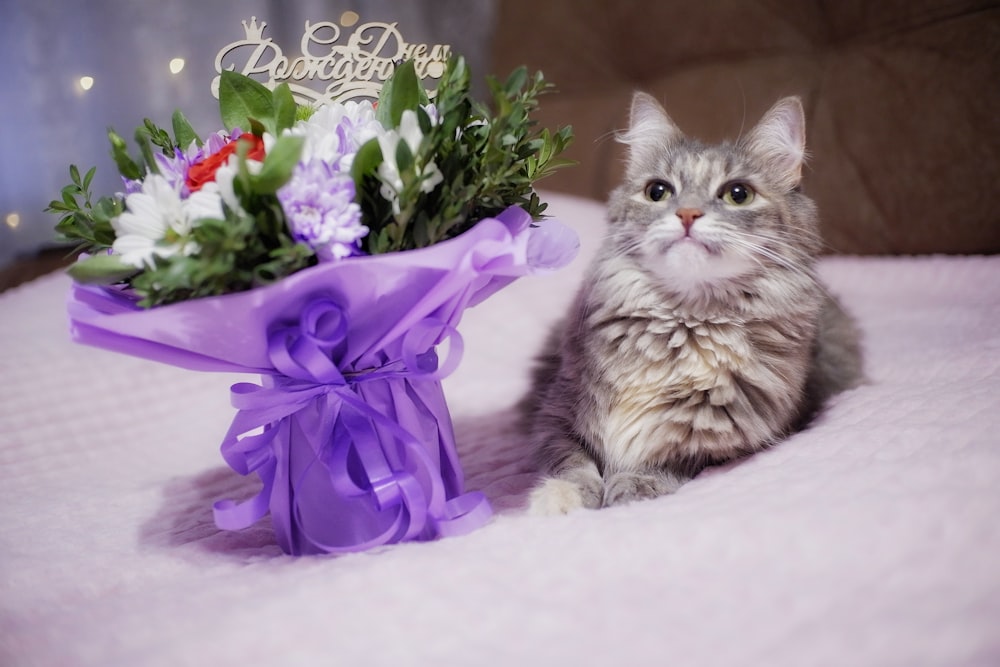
[
  {"x": 366, "y": 161},
  {"x": 67, "y": 225},
  {"x": 101, "y": 270},
  {"x": 107, "y": 208},
  {"x": 285, "y": 109},
  {"x": 516, "y": 80},
  {"x": 400, "y": 92},
  {"x": 404, "y": 157},
  {"x": 424, "y": 121},
  {"x": 126, "y": 165},
  {"x": 183, "y": 132},
  {"x": 68, "y": 197},
  {"x": 256, "y": 128},
  {"x": 242, "y": 99},
  {"x": 56, "y": 206},
  {"x": 142, "y": 138},
  {"x": 159, "y": 137},
  {"x": 278, "y": 165}
]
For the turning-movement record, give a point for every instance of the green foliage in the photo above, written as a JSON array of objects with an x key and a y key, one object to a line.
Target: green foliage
[
  {"x": 85, "y": 222},
  {"x": 248, "y": 104},
  {"x": 127, "y": 167},
  {"x": 403, "y": 91},
  {"x": 489, "y": 160},
  {"x": 278, "y": 165},
  {"x": 183, "y": 131},
  {"x": 236, "y": 253},
  {"x": 101, "y": 269}
]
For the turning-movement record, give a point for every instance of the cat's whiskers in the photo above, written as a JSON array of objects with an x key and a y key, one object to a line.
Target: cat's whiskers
[
  {"x": 793, "y": 266},
  {"x": 754, "y": 243},
  {"x": 634, "y": 247},
  {"x": 794, "y": 240}
]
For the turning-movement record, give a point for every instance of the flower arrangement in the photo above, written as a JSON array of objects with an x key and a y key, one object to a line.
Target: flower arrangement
[
  {"x": 285, "y": 187},
  {"x": 329, "y": 250}
]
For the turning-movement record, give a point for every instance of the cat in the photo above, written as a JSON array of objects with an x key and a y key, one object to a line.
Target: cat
[{"x": 701, "y": 332}]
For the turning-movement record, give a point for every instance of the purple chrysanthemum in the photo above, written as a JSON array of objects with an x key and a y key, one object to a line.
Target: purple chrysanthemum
[{"x": 319, "y": 204}]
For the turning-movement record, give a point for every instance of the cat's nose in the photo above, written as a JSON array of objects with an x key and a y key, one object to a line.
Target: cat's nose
[{"x": 688, "y": 216}]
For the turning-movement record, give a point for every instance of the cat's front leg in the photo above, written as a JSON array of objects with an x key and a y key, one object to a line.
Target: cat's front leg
[
  {"x": 627, "y": 486},
  {"x": 576, "y": 484}
]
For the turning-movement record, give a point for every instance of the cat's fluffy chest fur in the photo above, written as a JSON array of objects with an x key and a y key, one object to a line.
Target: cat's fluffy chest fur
[{"x": 670, "y": 382}]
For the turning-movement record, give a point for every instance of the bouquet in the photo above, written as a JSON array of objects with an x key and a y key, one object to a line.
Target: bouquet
[{"x": 330, "y": 250}]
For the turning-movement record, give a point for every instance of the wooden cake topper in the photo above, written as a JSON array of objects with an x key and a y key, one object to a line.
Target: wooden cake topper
[{"x": 335, "y": 65}]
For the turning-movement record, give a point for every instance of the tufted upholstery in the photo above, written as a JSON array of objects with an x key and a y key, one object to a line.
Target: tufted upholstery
[{"x": 902, "y": 99}]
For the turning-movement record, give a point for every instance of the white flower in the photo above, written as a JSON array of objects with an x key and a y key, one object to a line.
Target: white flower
[
  {"x": 157, "y": 222},
  {"x": 388, "y": 171},
  {"x": 335, "y": 132}
]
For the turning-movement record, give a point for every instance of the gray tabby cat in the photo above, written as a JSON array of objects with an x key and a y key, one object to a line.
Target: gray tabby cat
[{"x": 701, "y": 332}]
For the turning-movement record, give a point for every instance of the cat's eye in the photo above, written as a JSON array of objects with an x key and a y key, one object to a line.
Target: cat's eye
[
  {"x": 659, "y": 190},
  {"x": 737, "y": 194}
]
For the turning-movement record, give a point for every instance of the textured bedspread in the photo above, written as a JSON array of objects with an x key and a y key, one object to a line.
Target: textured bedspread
[{"x": 873, "y": 538}]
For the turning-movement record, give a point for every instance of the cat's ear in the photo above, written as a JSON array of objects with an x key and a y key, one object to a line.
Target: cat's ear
[
  {"x": 650, "y": 130},
  {"x": 779, "y": 140}
]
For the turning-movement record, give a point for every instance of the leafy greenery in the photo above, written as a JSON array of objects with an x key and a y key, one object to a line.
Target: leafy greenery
[
  {"x": 487, "y": 157},
  {"x": 489, "y": 160},
  {"x": 86, "y": 222}
]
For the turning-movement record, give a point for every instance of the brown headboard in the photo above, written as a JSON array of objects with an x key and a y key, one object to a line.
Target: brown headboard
[{"x": 902, "y": 99}]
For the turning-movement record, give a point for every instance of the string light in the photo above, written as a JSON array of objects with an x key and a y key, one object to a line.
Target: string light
[
  {"x": 13, "y": 220},
  {"x": 176, "y": 65},
  {"x": 86, "y": 82}
]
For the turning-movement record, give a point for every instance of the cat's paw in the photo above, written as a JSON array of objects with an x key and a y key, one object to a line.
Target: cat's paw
[
  {"x": 625, "y": 487},
  {"x": 556, "y": 495}
]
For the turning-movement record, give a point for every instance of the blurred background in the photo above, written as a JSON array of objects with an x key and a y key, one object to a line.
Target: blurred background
[{"x": 902, "y": 101}]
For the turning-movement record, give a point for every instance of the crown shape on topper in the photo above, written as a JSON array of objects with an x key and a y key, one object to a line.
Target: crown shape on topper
[{"x": 335, "y": 65}]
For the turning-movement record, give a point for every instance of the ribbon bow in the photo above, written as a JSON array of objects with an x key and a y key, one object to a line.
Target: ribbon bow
[{"x": 395, "y": 493}]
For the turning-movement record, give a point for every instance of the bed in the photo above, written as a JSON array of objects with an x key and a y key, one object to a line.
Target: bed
[{"x": 869, "y": 539}]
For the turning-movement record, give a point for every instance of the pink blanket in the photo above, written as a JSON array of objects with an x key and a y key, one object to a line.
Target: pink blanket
[{"x": 873, "y": 538}]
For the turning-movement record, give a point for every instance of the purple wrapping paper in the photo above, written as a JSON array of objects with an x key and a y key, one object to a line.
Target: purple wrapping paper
[{"x": 348, "y": 430}]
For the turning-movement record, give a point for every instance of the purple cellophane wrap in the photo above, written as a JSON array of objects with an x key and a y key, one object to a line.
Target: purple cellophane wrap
[{"x": 348, "y": 430}]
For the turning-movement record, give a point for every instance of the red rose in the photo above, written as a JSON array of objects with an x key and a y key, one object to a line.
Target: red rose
[{"x": 204, "y": 171}]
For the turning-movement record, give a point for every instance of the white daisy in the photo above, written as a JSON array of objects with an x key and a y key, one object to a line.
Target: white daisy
[{"x": 157, "y": 222}]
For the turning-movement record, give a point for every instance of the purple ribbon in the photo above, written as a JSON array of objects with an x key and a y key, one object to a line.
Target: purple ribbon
[{"x": 348, "y": 435}]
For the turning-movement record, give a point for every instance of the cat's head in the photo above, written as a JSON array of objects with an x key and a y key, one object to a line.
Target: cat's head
[{"x": 698, "y": 216}]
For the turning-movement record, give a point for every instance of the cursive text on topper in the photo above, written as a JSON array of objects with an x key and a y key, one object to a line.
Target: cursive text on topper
[{"x": 335, "y": 65}]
